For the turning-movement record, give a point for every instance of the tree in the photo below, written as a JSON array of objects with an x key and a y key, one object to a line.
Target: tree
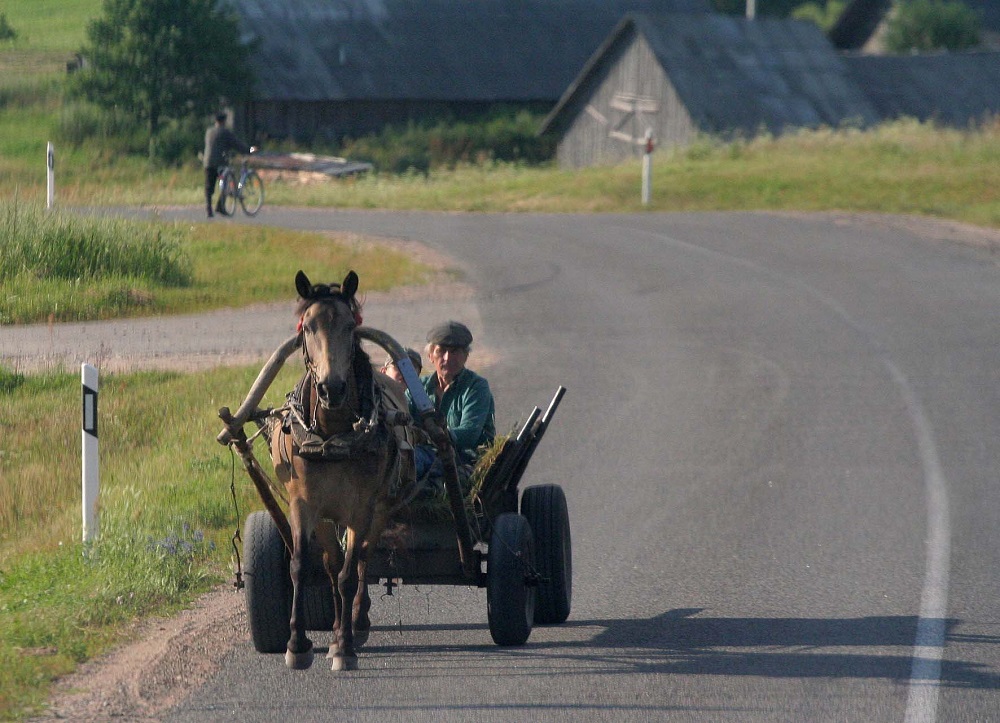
[
  {"x": 923, "y": 25},
  {"x": 6, "y": 31},
  {"x": 160, "y": 59},
  {"x": 824, "y": 14}
]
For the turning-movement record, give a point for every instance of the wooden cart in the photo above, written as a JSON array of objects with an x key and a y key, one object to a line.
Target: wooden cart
[{"x": 515, "y": 544}]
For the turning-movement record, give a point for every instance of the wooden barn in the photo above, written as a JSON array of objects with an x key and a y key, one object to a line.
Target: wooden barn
[
  {"x": 334, "y": 68},
  {"x": 954, "y": 89},
  {"x": 681, "y": 75}
]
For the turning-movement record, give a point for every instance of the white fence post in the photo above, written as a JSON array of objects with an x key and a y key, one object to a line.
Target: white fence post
[
  {"x": 91, "y": 484},
  {"x": 50, "y": 176},
  {"x": 647, "y": 168}
]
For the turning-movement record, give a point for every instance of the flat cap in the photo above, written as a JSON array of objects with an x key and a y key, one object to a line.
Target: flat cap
[{"x": 450, "y": 333}]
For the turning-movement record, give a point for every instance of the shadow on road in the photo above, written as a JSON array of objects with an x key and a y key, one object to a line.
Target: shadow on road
[{"x": 676, "y": 642}]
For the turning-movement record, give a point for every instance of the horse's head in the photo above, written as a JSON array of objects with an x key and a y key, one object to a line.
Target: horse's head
[{"x": 328, "y": 316}]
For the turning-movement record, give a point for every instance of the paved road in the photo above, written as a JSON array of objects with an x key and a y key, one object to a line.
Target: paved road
[{"x": 779, "y": 447}]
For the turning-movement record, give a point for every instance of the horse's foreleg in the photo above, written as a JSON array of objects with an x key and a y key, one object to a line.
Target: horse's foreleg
[
  {"x": 347, "y": 585},
  {"x": 333, "y": 561},
  {"x": 299, "y": 653},
  {"x": 362, "y": 601}
]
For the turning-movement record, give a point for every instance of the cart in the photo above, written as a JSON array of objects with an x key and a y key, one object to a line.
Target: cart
[{"x": 515, "y": 544}]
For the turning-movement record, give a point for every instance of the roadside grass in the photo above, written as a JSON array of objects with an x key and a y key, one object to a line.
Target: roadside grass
[
  {"x": 166, "y": 514},
  {"x": 903, "y": 167},
  {"x": 50, "y": 26},
  {"x": 68, "y": 267}
]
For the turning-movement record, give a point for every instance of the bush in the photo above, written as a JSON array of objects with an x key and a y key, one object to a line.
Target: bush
[
  {"x": 924, "y": 25},
  {"x": 6, "y": 31},
  {"x": 81, "y": 123},
  {"x": 177, "y": 141},
  {"x": 505, "y": 136}
]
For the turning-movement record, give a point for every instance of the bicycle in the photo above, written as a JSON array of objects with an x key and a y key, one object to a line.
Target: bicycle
[{"x": 247, "y": 188}]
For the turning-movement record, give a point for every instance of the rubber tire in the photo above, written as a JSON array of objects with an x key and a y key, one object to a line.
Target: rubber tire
[
  {"x": 545, "y": 508},
  {"x": 510, "y": 601},
  {"x": 252, "y": 194},
  {"x": 228, "y": 190},
  {"x": 268, "y": 587}
]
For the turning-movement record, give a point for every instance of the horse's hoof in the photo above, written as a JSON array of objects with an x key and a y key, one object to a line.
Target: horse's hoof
[
  {"x": 360, "y": 637},
  {"x": 299, "y": 661},
  {"x": 344, "y": 662}
]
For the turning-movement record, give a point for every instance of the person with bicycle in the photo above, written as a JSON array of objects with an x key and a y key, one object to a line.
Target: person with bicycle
[{"x": 219, "y": 140}]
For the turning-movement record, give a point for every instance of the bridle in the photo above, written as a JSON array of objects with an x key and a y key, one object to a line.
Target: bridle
[{"x": 360, "y": 424}]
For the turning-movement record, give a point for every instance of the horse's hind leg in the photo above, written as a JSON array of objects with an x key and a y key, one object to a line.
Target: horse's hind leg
[{"x": 299, "y": 654}]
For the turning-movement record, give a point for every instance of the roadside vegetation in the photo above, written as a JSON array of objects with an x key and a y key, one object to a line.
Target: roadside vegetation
[
  {"x": 167, "y": 514},
  {"x": 167, "y": 510}
]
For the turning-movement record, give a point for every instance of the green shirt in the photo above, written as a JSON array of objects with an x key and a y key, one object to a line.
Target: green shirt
[{"x": 467, "y": 406}]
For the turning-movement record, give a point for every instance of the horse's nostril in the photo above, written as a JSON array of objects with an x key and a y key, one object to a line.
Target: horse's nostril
[{"x": 332, "y": 393}]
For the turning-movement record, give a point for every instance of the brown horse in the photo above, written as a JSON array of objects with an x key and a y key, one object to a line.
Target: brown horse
[{"x": 340, "y": 463}]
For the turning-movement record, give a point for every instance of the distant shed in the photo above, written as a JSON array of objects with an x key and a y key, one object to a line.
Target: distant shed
[
  {"x": 682, "y": 75},
  {"x": 335, "y": 68},
  {"x": 955, "y": 89}
]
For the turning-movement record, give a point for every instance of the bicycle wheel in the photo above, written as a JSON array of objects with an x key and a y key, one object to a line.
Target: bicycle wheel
[
  {"x": 251, "y": 193},
  {"x": 228, "y": 198}
]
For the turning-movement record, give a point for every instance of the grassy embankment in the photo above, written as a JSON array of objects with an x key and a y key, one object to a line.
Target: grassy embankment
[
  {"x": 166, "y": 515},
  {"x": 166, "y": 511}
]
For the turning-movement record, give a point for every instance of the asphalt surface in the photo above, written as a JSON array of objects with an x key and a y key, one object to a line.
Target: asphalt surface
[{"x": 779, "y": 449}]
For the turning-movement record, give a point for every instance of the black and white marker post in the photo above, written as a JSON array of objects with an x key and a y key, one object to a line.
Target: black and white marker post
[
  {"x": 50, "y": 176},
  {"x": 91, "y": 485}
]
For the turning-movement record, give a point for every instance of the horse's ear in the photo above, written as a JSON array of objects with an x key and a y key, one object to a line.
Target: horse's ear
[
  {"x": 302, "y": 285},
  {"x": 350, "y": 285}
]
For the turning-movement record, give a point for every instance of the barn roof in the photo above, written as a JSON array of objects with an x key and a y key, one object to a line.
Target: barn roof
[
  {"x": 738, "y": 75},
  {"x": 953, "y": 88},
  {"x": 471, "y": 50}
]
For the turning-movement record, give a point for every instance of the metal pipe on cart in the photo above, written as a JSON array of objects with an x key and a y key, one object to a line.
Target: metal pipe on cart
[{"x": 90, "y": 466}]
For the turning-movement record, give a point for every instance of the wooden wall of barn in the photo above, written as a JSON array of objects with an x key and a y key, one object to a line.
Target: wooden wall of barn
[{"x": 597, "y": 122}]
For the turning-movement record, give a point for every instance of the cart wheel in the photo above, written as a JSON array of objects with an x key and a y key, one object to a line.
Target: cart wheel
[
  {"x": 268, "y": 586},
  {"x": 510, "y": 600},
  {"x": 545, "y": 508}
]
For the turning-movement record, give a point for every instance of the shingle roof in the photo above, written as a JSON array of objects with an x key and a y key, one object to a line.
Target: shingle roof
[
  {"x": 953, "y": 88},
  {"x": 733, "y": 74},
  {"x": 482, "y": 50}
]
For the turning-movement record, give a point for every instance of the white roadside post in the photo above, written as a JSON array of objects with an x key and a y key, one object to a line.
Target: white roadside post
[
  {"x": 647, "y": 167},
  {"x": 91, "y": 486},
  {"x": 50, "y": 176}
]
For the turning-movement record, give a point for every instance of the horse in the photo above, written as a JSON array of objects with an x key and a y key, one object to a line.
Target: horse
[{"x": 341, "y": 464}]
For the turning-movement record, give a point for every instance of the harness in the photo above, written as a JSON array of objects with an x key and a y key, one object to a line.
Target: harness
[
  {"x": 367, "y": 434},
  {"x": 366, "y": 438}
]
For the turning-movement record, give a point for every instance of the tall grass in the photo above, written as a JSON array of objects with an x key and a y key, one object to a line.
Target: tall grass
[
  {"x": 44, "y": 245},
  {"x": 86, "y": 268}
]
